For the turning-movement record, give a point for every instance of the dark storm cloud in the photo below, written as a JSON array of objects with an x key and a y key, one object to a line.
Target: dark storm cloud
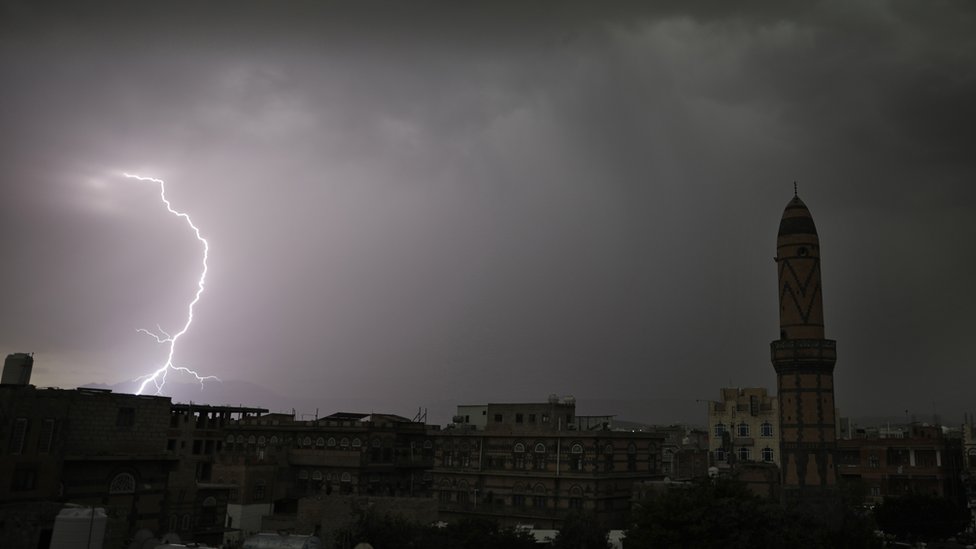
[{"x": 430, "y": 202}]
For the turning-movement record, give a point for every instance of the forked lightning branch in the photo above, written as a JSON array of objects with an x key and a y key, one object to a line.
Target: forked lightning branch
[{"x": 158, "y": 378}]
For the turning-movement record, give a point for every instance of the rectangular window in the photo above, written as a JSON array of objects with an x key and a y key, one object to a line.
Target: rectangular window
[
  {"x": 531, "y": 418},
  {"x": 126, "y": 418},
  {"x": 518, "y": 418},
  {"x": 518, "y": 500},
  {"x": 23, "y": 480},
  {"x": 46, "y": 437},
  {"x": 18, "y": 435},
  {"x": 498, "y": 418}
]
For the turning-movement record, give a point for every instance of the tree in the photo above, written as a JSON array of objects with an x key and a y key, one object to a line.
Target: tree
[
  {"x": 581, "y": 531},
  {"x": 921, "y": 517},
  {"x": 724, "y": 513}
]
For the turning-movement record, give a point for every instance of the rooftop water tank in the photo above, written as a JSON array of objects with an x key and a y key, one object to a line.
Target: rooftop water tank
[{"x": 17, "y": 369}]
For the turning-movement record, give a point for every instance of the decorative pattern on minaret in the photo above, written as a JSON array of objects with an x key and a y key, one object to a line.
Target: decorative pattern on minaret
[{"x": 802, "y": 297}]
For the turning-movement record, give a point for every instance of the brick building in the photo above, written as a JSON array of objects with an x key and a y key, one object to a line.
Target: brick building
[
  {"x": 533, "y": 464},
  {"x": 196, "y": 505},
  {"x": 924, "y": 461},
  {"x": 83, "y": 446},
  {"x": 276, "y": 460}
]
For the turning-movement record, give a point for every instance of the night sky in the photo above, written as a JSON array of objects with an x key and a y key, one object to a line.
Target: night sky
[{"x": 416, "y": 203}]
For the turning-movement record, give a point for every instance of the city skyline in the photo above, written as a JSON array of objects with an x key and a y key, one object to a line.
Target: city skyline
[{"x": 490, "y": 203}]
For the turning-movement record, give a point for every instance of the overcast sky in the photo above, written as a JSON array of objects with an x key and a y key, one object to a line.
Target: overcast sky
[{"x": 411, "y": 202}]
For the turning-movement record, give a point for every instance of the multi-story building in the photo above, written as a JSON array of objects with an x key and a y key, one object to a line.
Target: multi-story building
[
  {"x": 85, "y": 446},
  {"x": 925, "y": 461},
  {"x": 196, "y": 505},
  {"x": 532, "y": 464},
  {"x": 744, "y": 427},
  {"x": 275, "y": 460}
]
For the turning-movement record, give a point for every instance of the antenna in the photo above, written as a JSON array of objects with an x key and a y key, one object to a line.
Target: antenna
[{"x": 794, "y": 189}]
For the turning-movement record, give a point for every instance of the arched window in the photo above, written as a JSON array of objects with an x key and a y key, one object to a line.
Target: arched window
[
  {"x": 230, "y": 440},
  {"x": 346, "y": 477},
  {"x": 251, "y": 439},
  {"x": 356, "y": 443},
  {"x": 274, "y": 440},
  {"x": 766, "y": 429},
  {"x": 540, "y": 448},
  {"x": 240, "y": 439},
  {"x": 320, "y": 442},
  {"x": 208, "y": 512},
  {"x": 307, "y": 442},
  {"x": 428, "y": 445},
  {"x": 767, "y": 454},
  {"x": 344, "y": 442},
  {"x": 608, "y": 449},
  {"x": 719, "y": 429},
  {"x": 303, "y": 475},
  {"x": 261, "y": 440},
  {"x": 174, "y": 521},
  {"x": 122, "y": 483},
  {"x": 576, "y": 497},
  {"x": 519, "y": 448},
  {"x": 743, "y": 429},
  {"x": 576, "y": 449},
  {"x": 331, "y": 442},
  {"x": 186, "y": 521},
  {"x": 375, "y": 443},
  {"x": 631, "y": 448}
]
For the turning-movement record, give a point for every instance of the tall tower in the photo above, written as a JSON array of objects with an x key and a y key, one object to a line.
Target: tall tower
[{"x": 803, "y": 359}]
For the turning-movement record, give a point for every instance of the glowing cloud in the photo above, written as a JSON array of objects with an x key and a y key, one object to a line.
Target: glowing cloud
[{"x": 158, "y": 377}]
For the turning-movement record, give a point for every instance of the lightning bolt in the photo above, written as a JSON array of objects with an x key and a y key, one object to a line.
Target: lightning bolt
[{"x": 158, "y": 377}]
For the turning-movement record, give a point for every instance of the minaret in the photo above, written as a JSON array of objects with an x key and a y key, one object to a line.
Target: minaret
[{"x": 803, "y": 359}]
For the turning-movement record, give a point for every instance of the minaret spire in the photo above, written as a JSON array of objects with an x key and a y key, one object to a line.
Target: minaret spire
[{"x": 803, "y": 358}]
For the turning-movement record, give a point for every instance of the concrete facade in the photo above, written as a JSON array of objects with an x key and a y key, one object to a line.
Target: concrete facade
[{"x": 744, "y": 427}]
